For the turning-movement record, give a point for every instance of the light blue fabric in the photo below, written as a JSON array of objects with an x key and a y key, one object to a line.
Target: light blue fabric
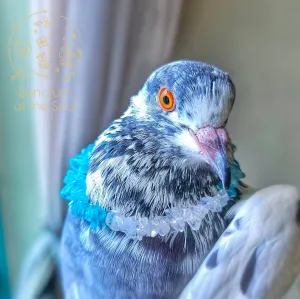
[{"x": 75, "y": 190}]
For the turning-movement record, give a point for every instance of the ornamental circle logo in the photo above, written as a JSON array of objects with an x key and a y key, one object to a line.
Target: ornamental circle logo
[{"x": 44, "y": 45}]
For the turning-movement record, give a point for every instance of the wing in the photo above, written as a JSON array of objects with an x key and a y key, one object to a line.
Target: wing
[{"x": 258, "y": 255}]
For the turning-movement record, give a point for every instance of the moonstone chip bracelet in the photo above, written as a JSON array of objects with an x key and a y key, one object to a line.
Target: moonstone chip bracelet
[{"x": 174, "y": 220}]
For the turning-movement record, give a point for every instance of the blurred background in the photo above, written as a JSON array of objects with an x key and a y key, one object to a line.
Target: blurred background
[{"x": 69, "y": 67}]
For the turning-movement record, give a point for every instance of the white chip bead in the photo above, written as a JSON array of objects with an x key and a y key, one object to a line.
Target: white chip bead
[
  {"x": 153, "y": 229},
  {"x": 174, "y": 221},
  {"x": 224, "y": 198},
  {"x": 111, "y": 221},
  {"x": 129, "y": 226},
  {"x": 199, "y": 212},
  {"x": 176, "y": 212},
  {"x": 177, "y": 224},
  {"x": 119, "y": 221},
  {"x": 211, "y": 204},
  {"x": 164, "y": 228},
  {"x": 187, "y": 214},
  {"x": 143, "y": 226},
  {"x": 194, "y": 224}
]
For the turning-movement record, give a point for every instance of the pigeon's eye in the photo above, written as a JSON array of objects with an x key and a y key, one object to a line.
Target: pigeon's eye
[{"x": 166, "y": 99}]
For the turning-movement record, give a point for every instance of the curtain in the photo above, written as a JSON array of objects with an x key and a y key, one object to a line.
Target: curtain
[
  {"x": 19, "y": 189},
  {"x": 117, "y": 45}
]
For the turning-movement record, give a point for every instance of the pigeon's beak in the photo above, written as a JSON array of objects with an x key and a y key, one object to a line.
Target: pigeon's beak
[{"x": 213, "y": 143}]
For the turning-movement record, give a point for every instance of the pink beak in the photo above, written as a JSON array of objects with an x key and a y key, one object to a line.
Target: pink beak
[{"x": 213, "y": 143}]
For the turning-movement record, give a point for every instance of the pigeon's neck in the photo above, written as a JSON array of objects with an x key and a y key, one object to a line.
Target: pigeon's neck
[
  {"x": 96, "y": 215},
  {"x": 146, "y": 184}
]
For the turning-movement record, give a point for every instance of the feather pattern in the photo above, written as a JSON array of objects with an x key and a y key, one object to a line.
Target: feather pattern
[{"x": 258, "y": 255}]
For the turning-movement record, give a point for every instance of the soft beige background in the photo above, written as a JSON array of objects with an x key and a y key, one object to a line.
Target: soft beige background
[{"x": 258, "y": 43}]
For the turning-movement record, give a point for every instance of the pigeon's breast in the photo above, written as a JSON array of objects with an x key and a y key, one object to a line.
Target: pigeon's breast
[{"x": 115, "y": 266}]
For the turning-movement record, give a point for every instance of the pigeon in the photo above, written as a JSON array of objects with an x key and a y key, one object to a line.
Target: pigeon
[
  {"x": 258, "y": 255},
  {"x": 148, "y": 199}
]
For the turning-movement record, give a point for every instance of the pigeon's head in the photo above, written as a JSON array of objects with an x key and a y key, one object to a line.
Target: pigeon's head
[
  {"x": 188, "y": 93},
  {"x": 191, "y": 101},
  {"x": 170, "y": 146}
]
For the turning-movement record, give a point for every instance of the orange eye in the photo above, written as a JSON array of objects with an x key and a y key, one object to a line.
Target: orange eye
[{"x": 166, "y": 99}]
